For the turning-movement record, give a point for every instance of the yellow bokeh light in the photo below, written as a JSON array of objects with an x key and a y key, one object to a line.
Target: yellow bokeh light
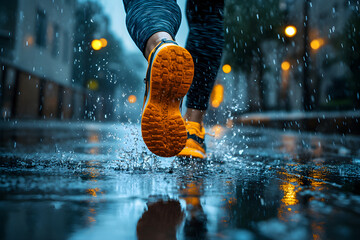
[
  {"x": 317, "y": 43},
  {"x": 93, "y": 84},
  {"x": 226, "y": 68},
  {"x": 215, "y": 103},
  {"x": 218, "y": 131},
  {"x": 29, "y": 41},
  {"x": 290, "y": 31},
  {"x": 96, "y": 44},
  {"x": 217, "y": 95},
  {"x": 285, "y": 65},
  {"x": 103, "y": 42},
  {"x": 132, "y": 99}
]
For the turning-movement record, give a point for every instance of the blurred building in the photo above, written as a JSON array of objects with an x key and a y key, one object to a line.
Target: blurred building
[
  {"x": 36, "y": 58},
  {"x": 59, "y": 60}
]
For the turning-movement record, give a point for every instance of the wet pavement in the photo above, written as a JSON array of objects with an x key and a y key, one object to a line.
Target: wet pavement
[{"x": 98, "y": 181}]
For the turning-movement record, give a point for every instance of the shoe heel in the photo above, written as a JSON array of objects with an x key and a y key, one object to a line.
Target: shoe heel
[{"x": 163, "y": 128}]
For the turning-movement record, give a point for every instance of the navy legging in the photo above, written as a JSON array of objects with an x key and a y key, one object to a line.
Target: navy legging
[{"x": 205, "y": 40}]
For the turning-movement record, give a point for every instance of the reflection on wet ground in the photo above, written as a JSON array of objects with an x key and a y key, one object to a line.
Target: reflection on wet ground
[{"x": 91, "y": 181}]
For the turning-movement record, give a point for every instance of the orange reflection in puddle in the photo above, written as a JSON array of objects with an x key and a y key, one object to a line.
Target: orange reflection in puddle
[
  {"x": 94, "y": 138},
  {"x": 289, "y": 194},
  {"x": 192, "y": 194},
  {"x": 288, "y": 206},
  {"x": 91, "y": 220},
  {"x": 315, "y": 181},
  {"x": 93, "y": 191}
]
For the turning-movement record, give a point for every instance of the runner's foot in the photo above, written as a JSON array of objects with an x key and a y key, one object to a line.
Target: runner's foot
[
  {"x": 195, "y": 144},
  {"x": 169, "y": 76}
]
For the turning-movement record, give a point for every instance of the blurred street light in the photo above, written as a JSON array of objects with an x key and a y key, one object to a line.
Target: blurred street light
[
  {"x": 217, "y": 95},
  {"x": 317, "y": 43},
  {"x": 93, "y": 85},
  {"x": 29, "y": 41},
  {"x": 96, "y": 44},
  {"x": 285, "y": 65},
  {"x": 132, "y": 99},
  {"x": 290, "y": 31},
  {"x": 218, "y": 131},
  {"x": 226, "y": 68},
  {"x": 103, "y": 42}
]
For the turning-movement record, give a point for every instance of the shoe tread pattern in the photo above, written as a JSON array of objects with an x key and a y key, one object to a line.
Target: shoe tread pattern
[{"x": 162, "y": 126}]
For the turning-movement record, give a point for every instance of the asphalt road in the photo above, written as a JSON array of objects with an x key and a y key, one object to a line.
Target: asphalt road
[{"x": 98, "y": 181}]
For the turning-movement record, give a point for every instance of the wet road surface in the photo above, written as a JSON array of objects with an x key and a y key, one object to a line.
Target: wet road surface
[{"x": 98, "y": 181}]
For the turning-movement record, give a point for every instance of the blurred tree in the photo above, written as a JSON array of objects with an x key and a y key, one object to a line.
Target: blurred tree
[
  {"x": 247, "y": 25},
  {"x": 347, "y": 43},
  {"x": 85, "y": 28},
  {"x": 91, "y": 23},
  {"x": 96, "y": 71},
  {"x": 350, "y": 51}
]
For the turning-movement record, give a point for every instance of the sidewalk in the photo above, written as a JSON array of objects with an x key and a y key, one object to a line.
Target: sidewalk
[{"x": 340, "y": 122}]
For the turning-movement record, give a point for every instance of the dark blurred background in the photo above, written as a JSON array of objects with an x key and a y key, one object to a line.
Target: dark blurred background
[{"x": 62, "y": 59}]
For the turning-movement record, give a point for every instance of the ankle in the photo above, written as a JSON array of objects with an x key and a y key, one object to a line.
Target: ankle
[
  {"x": 194, "y": 115},
  {"x": 154, "y": 40}
]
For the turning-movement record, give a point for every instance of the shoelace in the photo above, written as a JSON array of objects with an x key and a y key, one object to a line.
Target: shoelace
[
  {"x": 199, "y": 139},
  {"x": 209, "y": 134}
]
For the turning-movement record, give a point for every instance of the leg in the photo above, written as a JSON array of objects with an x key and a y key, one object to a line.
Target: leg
[
  {"x": 154, "y": 40},
  {"x": 205, "y": 43},
  {"x": 169, "y": 75},
  {"x": 146, "y": 18}
]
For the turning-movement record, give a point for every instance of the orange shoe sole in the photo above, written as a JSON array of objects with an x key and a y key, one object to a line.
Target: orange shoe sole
[{"x": 162, "y": 126}]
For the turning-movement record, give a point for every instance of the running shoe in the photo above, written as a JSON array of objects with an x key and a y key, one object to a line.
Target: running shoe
[
  {"x": 195, "y": 144},
  {"x": 169, "y": 76}
]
